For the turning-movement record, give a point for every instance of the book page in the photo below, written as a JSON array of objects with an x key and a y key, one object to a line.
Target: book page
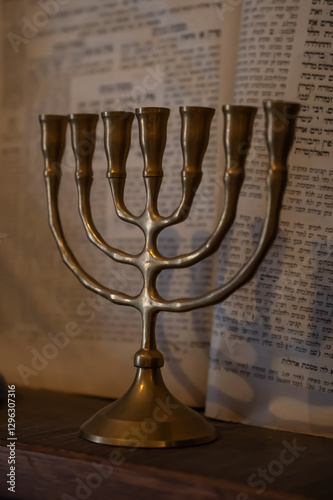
[
  {"x": 87, "y": 57},
  {"x": 272, "y": 350}
]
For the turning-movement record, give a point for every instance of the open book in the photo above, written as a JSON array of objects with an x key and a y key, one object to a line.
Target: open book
[{"x": 262, "y": 357}]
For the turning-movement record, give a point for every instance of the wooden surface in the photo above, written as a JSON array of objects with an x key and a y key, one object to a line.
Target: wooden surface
[{"x": 52, "y": 462}]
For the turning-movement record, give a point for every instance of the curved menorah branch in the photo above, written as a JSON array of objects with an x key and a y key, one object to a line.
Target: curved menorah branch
[
  {"x": 52, "y": 188},
  {"x": 83, "y": 134},
  {"x": 117, "y": 140},
  {"x": 280, "y": 130},
  {"x": 276, "y": 181},
  {"x": 53, "y": 145},
  {"x": 233, "y": 182},
  {"x": 238, "y": 125},
  {"x": 117, "y": 186},
  {"x": 194, "y": 138},
  {"x": 83, "y": 183},
  {"x": 190, "y": 183}
]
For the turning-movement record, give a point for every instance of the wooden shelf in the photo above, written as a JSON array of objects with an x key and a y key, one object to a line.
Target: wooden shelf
[{"x": 52, "y": 462}]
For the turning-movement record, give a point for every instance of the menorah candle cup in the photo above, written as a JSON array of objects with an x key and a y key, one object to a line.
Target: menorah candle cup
[
  {"x": 117, "y": 140},
  {"x": 83, "y": 133},
  {"x": 194, "y": 136},
  {"x": 53, "y": 141},
  {"x": 280, "y": 130},
  {"x": 148, "y": 399},
  {"x": 152, "y": 135},
  {"x": 238, "y": 126}
]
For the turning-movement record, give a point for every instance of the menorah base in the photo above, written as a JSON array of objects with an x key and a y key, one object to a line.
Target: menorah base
[{"x": 148, "y": 416}]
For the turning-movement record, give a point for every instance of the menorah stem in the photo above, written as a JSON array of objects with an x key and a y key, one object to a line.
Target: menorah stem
[{"x": 148, "y": 356}]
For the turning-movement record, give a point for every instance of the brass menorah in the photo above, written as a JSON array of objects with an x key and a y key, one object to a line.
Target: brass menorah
[{"x": 148, "y": 415}]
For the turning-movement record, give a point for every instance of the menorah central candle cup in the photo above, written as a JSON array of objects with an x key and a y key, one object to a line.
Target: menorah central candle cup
[{"x": 148, "y": 415}]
